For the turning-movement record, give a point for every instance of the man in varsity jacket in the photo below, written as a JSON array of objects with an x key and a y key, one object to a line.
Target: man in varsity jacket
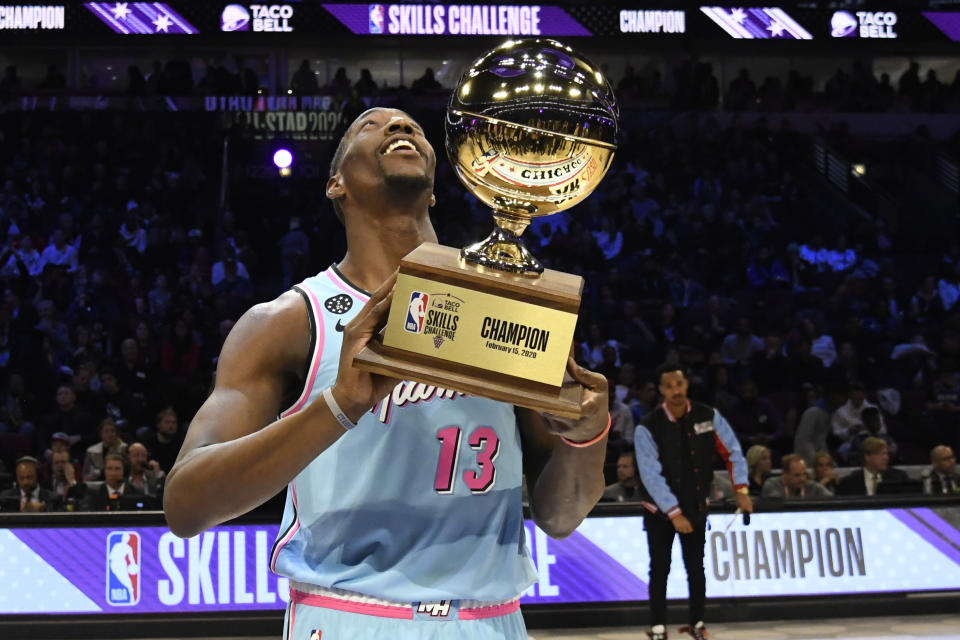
[{"x": 675, "y": 447}]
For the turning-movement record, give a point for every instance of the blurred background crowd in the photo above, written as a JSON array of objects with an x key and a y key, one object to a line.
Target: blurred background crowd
[{"x": 819, "y": 320}]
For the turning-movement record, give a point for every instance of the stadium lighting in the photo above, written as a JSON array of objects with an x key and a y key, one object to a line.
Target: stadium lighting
[{"x": 282, "y": 158}]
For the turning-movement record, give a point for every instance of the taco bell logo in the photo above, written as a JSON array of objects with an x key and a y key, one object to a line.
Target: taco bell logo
[
  {"x": 843, "y": 25},
  {"x": 123, "y": 568},
  {"x": 416, "y": 312},
  {"x": 235, "y": 17},
  {"x": 376, "y": 18}
]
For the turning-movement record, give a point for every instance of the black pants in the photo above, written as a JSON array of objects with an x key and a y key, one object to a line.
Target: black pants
[{"x": 660, "y": 534}]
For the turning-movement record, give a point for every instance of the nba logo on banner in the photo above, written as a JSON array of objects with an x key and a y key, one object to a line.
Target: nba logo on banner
[
  {"x": 376, "y": 18},
  {"x": 416, "y": 312},
  {"x": 123, "y": 568}
]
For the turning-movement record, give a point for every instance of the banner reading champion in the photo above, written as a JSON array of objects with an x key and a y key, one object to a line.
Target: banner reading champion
[{"x": 456, "y": 20}]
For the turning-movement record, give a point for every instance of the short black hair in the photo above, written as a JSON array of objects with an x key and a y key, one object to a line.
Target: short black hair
[
  {"x": 668, "y": 367},
  {"x": 338, "y": 158}
]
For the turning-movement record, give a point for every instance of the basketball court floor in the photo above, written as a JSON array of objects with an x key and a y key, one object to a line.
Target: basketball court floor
[{"x": 941, "y": 627}]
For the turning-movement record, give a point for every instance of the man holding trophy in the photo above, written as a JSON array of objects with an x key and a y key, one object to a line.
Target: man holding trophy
[{"x": 404, "y": 515}]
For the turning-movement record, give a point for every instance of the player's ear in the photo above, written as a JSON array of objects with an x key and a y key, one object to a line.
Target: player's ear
[
  {"x": 433, "y": 200},
  {"x": 335, "y": 187}
]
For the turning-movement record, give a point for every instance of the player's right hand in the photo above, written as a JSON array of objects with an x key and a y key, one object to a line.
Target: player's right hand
[
  {"x": 682, "y": 525},
  {"x": 357, "y": 391}
]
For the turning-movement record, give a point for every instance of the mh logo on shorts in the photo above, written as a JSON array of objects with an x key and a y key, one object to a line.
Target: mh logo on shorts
[
  {"x": 416, "y": 312},
  {"x": 439, "y": 609},
  {"x": 123, "y": 568}
]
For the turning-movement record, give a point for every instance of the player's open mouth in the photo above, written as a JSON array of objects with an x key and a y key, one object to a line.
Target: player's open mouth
[{"x": 401, "y": 145}]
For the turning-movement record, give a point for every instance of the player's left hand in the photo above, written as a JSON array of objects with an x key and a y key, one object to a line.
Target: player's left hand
[
  {"x": 744, "y": 503},
  {"x": 593, "y": 407}
]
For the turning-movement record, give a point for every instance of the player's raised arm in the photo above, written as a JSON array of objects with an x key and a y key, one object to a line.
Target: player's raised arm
[{"x": 237, "y": 454}]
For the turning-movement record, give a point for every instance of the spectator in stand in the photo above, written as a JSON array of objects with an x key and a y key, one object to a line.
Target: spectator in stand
[
  {"x": 145, "y": 476},
  {"x": 67, "y": 418},
  {"x": 847, "y": 420},
  {"x": 19, "y": 406},
  {"x": 813, "y": 428},
  {"x": 159, "y": 297},
  {"x": 294, "y": 250},
  {"x": 942, "y": 477},
  {"x": 164, "y": 443},
  {"x": 179, "y": 355},
  {"x": 793, "y": 483},
  {"x": 756, "y": 419},
  {"x": 759, "y": 468},
  {"x": 56, "y": 331},
  {"x": 426, "y": 83},
  {"x": 741, "y": 347},
  {"x": 63, "y": 481},
  {"x": 107, "y": 496},
  {"x": 132, "y": 376},
  {"x": 625, "y": 488},
  {"x": 304, "y": 82},
  {"x": 852, "y": 452},
  {"x": 622, "y": 425},
  {"x": 28, "y": 496},
  {"x": 110, "y": 442},
  {"x": 825, "y": 471},
  {"x": 875, "y": 476},
  {"x": 58, "y": 253},
  {"x": 366, "y": 87}
]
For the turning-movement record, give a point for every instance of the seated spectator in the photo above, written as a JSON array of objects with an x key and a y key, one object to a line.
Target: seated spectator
[
  {"x": 875, "y": 472},
  {"x": 793, "y": 483},
  {"x": 741, "y": 346},
  {"x": 942, "y": 476},
  {"x": 109, "y": 443},
  {"x": 755, "y": 419},
  {"x": 852, "y": 452},
  {"x": 825, "y": 471},
  {"x": 107, "y": 496},
  {"x": 426, "y": 83},
  {"x": 304, "y": 80},
  {"x": 164, "y": 443},
  {"x": 759, "y": 465},
  {"x": 28, "y": 496},
  {"x": 63, "y": 481},
  {"x": 67, "y": 419},
  {"x": 813, "y": 427},
  {"x": 847, "y": 420},
  {"x": 145, "y": 476},
  {"x": 621, "y": 425},
  {"x": 625, "y": 488}
]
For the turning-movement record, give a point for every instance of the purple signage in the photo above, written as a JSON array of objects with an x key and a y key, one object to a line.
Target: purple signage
[
  {"x": 139, "y": 569},
  {"x": 757, "y": 23},
  {"x": 141, "y": 17},
  {"x": 946, "y": 21},
  {"x": 456, "y": 20}
]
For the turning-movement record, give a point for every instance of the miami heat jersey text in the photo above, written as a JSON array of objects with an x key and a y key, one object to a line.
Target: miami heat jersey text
[{"x": 420, "y": 502}]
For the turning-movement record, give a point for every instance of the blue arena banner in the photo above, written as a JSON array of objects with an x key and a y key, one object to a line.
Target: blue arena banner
[{"x": 141, "y": 569}]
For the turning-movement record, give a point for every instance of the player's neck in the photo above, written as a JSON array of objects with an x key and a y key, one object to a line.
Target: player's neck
[{"x": 375, "y": 246}]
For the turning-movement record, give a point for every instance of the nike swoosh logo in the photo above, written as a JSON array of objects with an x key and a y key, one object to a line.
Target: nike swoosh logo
[{"x": 339, "y": 326}]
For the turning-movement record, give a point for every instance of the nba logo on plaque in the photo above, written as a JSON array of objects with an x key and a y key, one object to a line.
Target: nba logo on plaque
[{"x": 416, "y": 312}]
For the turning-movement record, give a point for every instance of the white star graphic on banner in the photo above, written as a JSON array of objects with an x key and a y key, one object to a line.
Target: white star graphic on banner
[
  {"x": 738, "y": 15},
  {"x": 120, "y": 10},
  {"x": 162, "y": 22},
  {"x": 775, "y": 28}
]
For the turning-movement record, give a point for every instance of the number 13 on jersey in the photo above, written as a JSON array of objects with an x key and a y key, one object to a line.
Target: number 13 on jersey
[{"x": 484, "y": 441}]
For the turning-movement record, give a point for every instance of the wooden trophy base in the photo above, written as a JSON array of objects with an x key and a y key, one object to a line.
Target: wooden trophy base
[{"x": 442, "y": 331}]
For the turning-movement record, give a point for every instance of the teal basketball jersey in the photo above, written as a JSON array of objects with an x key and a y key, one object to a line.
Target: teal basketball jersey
[{"x": 420, "y": 501}]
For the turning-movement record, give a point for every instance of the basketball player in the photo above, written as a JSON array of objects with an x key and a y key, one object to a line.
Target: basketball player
[{"x": 403, "y": 517}]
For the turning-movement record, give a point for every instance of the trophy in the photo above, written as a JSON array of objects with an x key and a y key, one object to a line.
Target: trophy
[{"x": 531, "y": 130}]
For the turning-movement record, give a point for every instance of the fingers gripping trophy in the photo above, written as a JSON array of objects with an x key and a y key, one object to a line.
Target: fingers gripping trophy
[{"x": 531, "y": 130}]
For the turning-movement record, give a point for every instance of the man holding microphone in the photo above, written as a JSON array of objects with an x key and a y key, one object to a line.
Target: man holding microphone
[{"x": 675, "y": 447}]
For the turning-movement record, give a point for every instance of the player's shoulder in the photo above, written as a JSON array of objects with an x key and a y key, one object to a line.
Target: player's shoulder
[{"x": 266, "y": 333}]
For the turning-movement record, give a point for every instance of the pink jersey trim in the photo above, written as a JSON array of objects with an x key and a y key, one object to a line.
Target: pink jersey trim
[
  {"x": 490, "y": 612},
  {"x": 366, "y": 608},
  {"x": 346, "y": 287},
  {"x": 315, "y": 359},
  {"x": 293, "y": 612},
  {"x": 404, "y": 612},
  {"x": 290, "y": 534}
]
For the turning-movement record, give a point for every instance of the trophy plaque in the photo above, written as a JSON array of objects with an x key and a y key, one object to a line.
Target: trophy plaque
[{"x": 531, "y": 130}]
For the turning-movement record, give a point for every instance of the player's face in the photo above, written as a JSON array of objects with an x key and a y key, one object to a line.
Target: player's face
[
  {"x": 673, "y": 387},
  {"x": 387, "y": 147}
]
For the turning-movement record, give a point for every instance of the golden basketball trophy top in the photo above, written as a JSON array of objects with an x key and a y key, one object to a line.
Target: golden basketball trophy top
[{"x": 531, "y": 130}]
